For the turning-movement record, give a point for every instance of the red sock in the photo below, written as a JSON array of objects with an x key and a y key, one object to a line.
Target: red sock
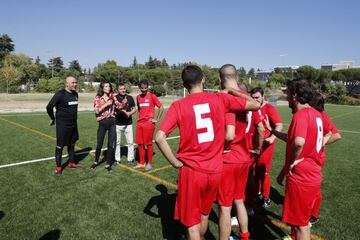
[
  {"x": 150, "y": 151},
  {"x": 266, "y": 186},
  {"x": 244, "y": 235},
  {"x": 141, "y": 153},
  {"x": 293, "y": 233}
]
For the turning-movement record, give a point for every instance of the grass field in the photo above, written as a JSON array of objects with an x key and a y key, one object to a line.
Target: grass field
[{"x": 130, "y": 204}]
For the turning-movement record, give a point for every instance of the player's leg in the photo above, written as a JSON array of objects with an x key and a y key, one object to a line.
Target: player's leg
[
  {"x": 58, "y": 155},
  {"x": 303, "y": 232},
  {"x": 119, "y": 129},
  {"x": 224, "y": 222},
  {"x": 193, "y": 232},
  {"x": 204, "y": 225},
  {"x": 140, "y": 141},
  {"x": 71, "y": 153},
  {"x": 111, "y": 143},
  {"x": 268, "y": 155},
  {"x": 148, "y": 136},
  {"x": 99, "y": 142},
  {"x": 130, "y": 142}
]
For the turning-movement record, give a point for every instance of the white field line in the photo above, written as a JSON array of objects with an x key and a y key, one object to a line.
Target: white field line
[{"x": 64, "y": 156}]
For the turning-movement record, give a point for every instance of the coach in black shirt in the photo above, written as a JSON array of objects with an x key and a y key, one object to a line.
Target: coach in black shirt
[
  {"x": 66, "y": 103},
  {"x": 124, "y": 123}
]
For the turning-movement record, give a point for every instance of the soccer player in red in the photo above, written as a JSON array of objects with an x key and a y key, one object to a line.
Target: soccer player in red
[
  {"x": 302, "y": 168},
  {"x": 318, "y": 103},
  {"x": 236, "y": 158},
  {"x": 200, "y": 117},
  {"x": 263, "y": 163},
  {"x": 145, "y": 126}
]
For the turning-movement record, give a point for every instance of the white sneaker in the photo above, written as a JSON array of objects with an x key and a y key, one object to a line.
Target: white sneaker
[
  {"x": 233, "y": 238},
  {"x": 234, "y": 222}
]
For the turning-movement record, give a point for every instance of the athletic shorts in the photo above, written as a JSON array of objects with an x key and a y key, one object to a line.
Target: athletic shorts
[
  {"x": 299, "y": 203},
  {"x": 66, "y": 134},
  {"x": 263, "y": 163},
  {"x": 233, "y": 183},
  {"x": 144, "y": 133},
  {"x": 196, "y": 193}
]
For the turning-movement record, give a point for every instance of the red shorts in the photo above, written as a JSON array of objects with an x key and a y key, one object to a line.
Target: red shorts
[
  {"x": 233, "y": 183},
  {"x": 263, "y": 163},
  {"x": 144, "y": 133},
  {"x": 196, "y": 193},
  {"x": 299, "y": 203}
]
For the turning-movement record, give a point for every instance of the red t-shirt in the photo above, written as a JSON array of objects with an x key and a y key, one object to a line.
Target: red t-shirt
[
  {"x": 239, "y": 145},
  {"x": 306, "y": 123},
  {"x": 146, "y": 107},
  {"x": 273, "y": 115},
  {"x": 328, "y": 126},
  {"x": 201, "y": 121},
  {"x": 253, "y": 119}
]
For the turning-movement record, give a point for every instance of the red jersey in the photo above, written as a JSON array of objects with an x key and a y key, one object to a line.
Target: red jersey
[
  {"x": 201, "y": 121},
  {"x": 239, "y": 145},
  {"x": 328, "y": 126},
  {"x": 146, "y": 107},
  {"x": 253, "y": 119},
  {"x": 306, "y": 123},
  {"x": 270, "y": 111}
]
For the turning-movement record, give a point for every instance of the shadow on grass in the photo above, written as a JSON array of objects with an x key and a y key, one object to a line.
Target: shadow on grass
[
  {"x": 2, "y": 214},
  {"x": 79, "y": 155},
  {"x": 52, "y": 235},
  {"x": 165, "y": 204}
]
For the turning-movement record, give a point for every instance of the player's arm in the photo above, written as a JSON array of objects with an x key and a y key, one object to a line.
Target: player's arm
[
  {"x": 295, "y": 149},
  {"x": 334, "y": 137},
  {"x": 259, "y": 138},
  {"x": 229, "y": 134},
  {"x": 159, "y": 113},
  {"x": 278, "y": 134},
  {"x": 251, "y": 104},
  {"x": 50, "y": 108},
  {"x": 278, "y": 128},
  {"x": 164, "y": 147}
]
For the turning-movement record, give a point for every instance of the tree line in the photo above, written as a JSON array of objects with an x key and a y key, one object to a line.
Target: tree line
[{"x": 21, "y": 73}]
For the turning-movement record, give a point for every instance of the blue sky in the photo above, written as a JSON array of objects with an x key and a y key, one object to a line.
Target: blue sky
[{"x": 259, "y": 34}]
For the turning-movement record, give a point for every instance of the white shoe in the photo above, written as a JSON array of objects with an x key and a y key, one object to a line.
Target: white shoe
[
  {"x": 233, "y": 238},
  {"x": 234, "y": 222}
]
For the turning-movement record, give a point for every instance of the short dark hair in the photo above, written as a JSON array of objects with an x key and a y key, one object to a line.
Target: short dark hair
[
  {"x": 302, "y": 89},
  {"x": 143, "y": 82},
  {"x": 191, "y": 75},
  {"x": 101, "y": 88},
  {"x": 257, "y": 89},
  {"x": 118, "y": 84},
  {"x": 224, "y": 75},
  {"x": 318, "y": 102}
]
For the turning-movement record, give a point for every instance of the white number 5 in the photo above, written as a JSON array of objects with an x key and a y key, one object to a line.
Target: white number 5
[{"x": 207, "y": 136}]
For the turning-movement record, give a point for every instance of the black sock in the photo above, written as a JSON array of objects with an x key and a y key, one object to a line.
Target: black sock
[
  {"x": 71, "y": 152},
  {"x": 58, "y": 153}
]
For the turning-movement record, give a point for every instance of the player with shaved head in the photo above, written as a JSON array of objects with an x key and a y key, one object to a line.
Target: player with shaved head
[{"x": 66, "y": 103}]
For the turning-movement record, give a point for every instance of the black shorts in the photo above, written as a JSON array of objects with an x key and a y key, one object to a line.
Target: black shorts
[{"x": 66, "y": 134}]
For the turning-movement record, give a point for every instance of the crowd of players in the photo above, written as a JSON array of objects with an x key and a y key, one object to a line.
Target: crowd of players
[{"x": 227, "y": 141}]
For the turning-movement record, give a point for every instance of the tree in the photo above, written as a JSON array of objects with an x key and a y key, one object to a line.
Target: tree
[
  {"x": 12, "y": 74},
  {"x": 251, "y": 73},
  {"x": 6, "y": 46},
  {"x": 56, "y": 64},
  {"x": 150, "y": 63},
  {"x": 37, "y": 60},
  {"x": 164, "y": 63},
  {"x": 276, "y": 80},
  {"x": 308, "y": 73},
  {"x": 108, "y": 71},
  {"x": 135, "y": 63},
  {"x": 75, "y": 66}
]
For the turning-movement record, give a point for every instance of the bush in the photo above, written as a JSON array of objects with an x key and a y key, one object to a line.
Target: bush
[
  {"x": 50, "y": 85},
  {"x": 158, "y": 90}
]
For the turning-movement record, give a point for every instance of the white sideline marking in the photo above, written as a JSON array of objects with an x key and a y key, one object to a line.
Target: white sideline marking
[{"x": 64, "y": 156}]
